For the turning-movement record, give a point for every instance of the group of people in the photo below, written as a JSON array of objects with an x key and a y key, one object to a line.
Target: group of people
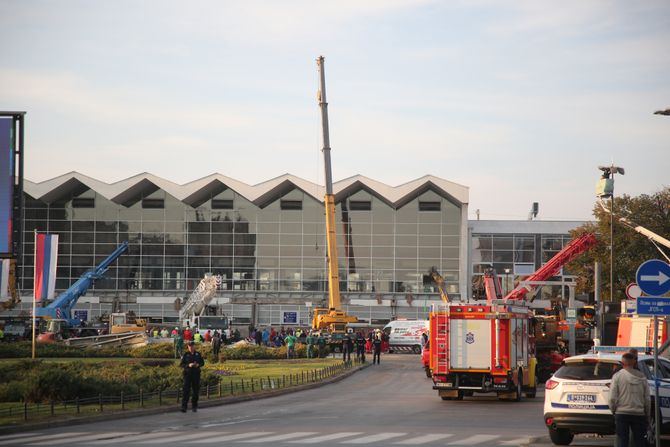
[
  {"x": 216, "y": 338},
  {"x": 374, "y": 343}
]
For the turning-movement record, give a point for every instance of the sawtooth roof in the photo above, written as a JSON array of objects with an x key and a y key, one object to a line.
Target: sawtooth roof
[{"x": 126, "y": 192}]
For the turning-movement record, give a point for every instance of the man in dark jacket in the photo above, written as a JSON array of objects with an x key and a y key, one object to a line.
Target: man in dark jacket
[
  {"x": 347, "y": 347},
  {"x": 360, "y": 347},
  {"x": 376, "y": 349},
  {"x": 191, "y": 362}
]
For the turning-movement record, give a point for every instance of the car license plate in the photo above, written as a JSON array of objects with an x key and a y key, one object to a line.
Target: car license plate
[{"x": 582, "y": 398}]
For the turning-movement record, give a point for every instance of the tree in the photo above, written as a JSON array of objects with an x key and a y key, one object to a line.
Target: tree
[{"x": 630, "y": 247}]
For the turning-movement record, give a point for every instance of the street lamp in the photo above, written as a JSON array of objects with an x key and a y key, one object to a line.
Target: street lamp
[{"x": 606, "y": 189}]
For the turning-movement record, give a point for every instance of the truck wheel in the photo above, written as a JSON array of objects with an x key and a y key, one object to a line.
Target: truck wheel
[
  {"x": 530, "y": 394},
  {"x": 445, "y": 398},
  {"x": 416, "y": 349},
  {"x": 560, "y": 436},
  {"x": 519, "y": 388},
  {"x": 428, "y": 373}
]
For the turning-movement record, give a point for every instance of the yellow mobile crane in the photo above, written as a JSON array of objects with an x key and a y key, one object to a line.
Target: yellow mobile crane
[{"x": 332, "y": 319}]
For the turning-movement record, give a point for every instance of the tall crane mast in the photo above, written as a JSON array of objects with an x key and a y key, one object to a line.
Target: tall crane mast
[
  {"x": 332, "y": 319},
  {"x": 329, "y": 198}
]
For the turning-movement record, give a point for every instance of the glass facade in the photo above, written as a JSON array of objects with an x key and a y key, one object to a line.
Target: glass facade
[
  {"x": 278, "y": 247},
  {"x": 513, "y": 256}
]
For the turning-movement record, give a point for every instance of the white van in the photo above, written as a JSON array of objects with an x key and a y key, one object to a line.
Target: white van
[{"x": 405, "y": 335}]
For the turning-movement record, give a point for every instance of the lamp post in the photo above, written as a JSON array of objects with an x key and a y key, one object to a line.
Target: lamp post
[{"x": 607, "y": 190}]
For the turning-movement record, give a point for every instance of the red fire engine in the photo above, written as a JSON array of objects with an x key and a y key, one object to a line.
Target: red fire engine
[{"x": 487, "y": 347}]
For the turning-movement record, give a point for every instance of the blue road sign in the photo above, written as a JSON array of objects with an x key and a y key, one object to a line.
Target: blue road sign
[
  {"x": 653, "y": 277},
  {"x": 653, "y": 305}
]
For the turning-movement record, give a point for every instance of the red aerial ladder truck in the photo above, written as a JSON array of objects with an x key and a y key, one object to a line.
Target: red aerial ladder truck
[{"x": 488, "y": 347}]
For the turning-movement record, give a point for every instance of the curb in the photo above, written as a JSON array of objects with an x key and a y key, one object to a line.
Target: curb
[{"x": 10, "y": 429}]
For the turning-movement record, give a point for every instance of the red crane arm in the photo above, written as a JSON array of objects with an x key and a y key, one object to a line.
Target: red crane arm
[{"x": 571, "y": 251}]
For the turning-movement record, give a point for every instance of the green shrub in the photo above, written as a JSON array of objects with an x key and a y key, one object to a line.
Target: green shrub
[{"x": 255, "y": 352}]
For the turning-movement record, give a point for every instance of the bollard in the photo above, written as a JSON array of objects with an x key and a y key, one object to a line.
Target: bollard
[
  {"x": 123, "y": 404},
  {"x": 269, "y": 383},
  {"x": 220, "y": 387},
  {"x": 141, "y": 398},
  {"x": 160, "y": 397},
  {"x": 100, "y": 402},
  {"x": 231, "y": 387},
  {"x": 253, "y": 389},
  {"x": 243, "y": 385},
  {"x": 52, "y": 408},
  {"x": 25, "y": 411},
  {"x": 77, "y": 403},
  {"x": 178, "y": 394}
]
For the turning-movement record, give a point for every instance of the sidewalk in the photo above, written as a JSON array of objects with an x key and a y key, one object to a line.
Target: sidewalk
[{"x": 579, "y": 441}]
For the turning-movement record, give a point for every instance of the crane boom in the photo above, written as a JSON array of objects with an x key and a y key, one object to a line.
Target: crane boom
[
  {"x": 329, "y": 199},
  {"x": 332, "y": 318},
  {"x": 653, "y": 237},
  {"x": 551, "y": 268}
]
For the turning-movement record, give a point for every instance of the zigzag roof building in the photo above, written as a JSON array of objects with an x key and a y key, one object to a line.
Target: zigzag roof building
[{"x": 194, "y": 193}]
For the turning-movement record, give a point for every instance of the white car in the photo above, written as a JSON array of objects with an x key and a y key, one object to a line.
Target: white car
[{"x": 577, "y": 395}]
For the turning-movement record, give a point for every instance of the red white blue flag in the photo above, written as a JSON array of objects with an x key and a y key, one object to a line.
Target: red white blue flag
[{"x": 46, "y": 254}]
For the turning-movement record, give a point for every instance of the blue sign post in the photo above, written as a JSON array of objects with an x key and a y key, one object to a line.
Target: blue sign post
[{"x": 653, "y": 277}]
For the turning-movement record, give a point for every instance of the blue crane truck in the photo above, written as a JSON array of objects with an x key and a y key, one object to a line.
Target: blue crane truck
[{"x": 58, "y": 313}]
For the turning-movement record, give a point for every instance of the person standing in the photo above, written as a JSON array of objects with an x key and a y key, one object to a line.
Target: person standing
[
  {"x": 191, "y": 362},
  {"x": 630, "y": 402},
  {"x": 310, "y": 345},
  {"x": 347, "y": 347},
  {"x": 321, "y": 342},
  {"x": 377, "y": 349},
  {"x": 178, "y": 345},
  {"x": 290, "y": 345},
  {"x": 360, "y": 347},
  {"x": 216, "y": 345}
]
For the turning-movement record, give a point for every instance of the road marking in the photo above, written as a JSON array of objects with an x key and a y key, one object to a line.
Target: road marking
[
  {"x": 476, "y": 439},
  {"x": 135, "y": 438},
  {"x": 423, "y": 439},
  {"x": 19, "y": 435},
  {"x": 326, "y": 437},
  {"x": 229, "y": 437},
  {"x": 43, "y": 437},
  {"x": 97, "y": 436},
  {"x": 516, "y": 441},
  {"x": 284, "y": 437},
  {"x": 185, "y": 437},
  {"x": 373, "y": 438}
]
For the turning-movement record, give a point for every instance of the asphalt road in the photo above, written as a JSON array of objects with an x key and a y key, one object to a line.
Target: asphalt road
[{"x": 387, "y": 404}]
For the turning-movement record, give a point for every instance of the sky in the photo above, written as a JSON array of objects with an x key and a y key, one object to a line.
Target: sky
[{"x": 520, "y": 101}]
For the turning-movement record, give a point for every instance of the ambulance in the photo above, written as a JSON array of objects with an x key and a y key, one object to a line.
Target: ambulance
[{"x": 406, "y": 335}]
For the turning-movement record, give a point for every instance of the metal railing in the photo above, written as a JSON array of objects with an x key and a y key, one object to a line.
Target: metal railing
[{"x": 225, "y": 387}]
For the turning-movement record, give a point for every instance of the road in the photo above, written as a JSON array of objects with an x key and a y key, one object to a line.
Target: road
[{"x": 387, "y": 404}]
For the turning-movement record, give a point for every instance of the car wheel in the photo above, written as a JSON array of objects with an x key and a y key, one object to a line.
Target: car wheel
[
  {"x": 416, "y": 349},
  {"x": 560, "y": 436}
]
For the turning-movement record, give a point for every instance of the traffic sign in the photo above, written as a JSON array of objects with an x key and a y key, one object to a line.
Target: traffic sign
[
  {"x": 633, "y": 291},
  {"x": 653, "y": 305},
  {"x": 653, "y": 277}
]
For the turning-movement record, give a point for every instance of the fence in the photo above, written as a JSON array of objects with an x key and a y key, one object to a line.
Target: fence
[{"x": 224, "y": 388}]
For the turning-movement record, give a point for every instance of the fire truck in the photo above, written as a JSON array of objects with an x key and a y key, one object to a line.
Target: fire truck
[{"x": 488, "y": 346}]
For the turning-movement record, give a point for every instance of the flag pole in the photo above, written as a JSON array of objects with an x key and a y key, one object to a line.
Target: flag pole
[{"x": 34, "y": 290}]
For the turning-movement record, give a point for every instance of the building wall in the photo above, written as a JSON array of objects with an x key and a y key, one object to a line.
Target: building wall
[
  {"x": 279, "y": 248},
  {"x": 516, "y": 249}
]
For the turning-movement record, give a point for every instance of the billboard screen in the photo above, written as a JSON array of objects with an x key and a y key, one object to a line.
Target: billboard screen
[{"x": 6, "y": 184}]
